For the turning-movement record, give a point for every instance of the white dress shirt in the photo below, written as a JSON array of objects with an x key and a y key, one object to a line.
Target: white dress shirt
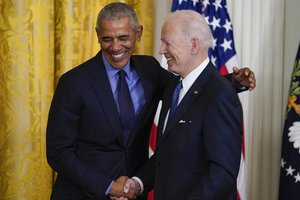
[{"x": 187, "y": 82}]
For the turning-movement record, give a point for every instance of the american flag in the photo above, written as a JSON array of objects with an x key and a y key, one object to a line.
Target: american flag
[{"x": 222, "y": 54}]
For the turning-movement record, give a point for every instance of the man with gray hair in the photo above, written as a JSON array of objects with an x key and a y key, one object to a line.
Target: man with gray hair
[{"x": 200, "y": 126}]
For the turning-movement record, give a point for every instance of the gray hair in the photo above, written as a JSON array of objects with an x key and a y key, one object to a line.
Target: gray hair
[
  {"x": 193, "y": 25},
  {"x": 117, "y": 10}
]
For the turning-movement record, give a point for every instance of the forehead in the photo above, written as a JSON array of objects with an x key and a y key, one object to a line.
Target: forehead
[
  {"x": 116, "y": 25},
  {"x": 171, "y": 30}
]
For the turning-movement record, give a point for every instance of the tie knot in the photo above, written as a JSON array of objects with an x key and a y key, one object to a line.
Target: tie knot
[
  {"x": 179, "y": 85},
  {"x": 122, "y": 74}
]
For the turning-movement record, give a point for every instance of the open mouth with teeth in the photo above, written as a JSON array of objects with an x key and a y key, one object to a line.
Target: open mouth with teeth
[
  {"x": 117, "y": 56},
  {"x": 119, "y": 59},
  {"x": 169, "y": 59}
]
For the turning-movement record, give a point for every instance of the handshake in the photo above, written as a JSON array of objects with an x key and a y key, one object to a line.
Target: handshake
[{"x": 124, "y": 188}]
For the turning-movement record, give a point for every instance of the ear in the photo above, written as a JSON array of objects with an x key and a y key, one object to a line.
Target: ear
[
  {"x": 139, "y": 32},
  {"x": 195, "y": 48},
  {"x": 97, "y": 34}
]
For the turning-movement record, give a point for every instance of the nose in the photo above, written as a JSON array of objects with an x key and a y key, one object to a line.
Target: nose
[
  {"x": 116, "y": 45},
  {"x": 162, "y": 49}
]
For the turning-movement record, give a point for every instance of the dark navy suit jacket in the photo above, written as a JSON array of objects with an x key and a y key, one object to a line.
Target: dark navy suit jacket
[
  {"x": 84, "y": 136},
  {"x": 198, "y": 155}
]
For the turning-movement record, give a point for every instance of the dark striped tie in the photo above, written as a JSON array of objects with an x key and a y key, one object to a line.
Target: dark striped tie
[{"x": 127, "y": 115}]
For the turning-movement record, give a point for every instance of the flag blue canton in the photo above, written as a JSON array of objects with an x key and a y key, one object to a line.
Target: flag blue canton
[
  {"x": 290, "y": 160},
  {"x": 216, "y": 15}
]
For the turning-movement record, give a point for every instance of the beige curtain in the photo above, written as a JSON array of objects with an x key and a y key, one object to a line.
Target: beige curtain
[
  {"x": 40, "y": 40},
  {"x": 259, "y": 36}
]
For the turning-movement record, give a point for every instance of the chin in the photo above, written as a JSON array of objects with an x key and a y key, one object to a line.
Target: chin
[
  {"x": 119, "y": 66},
  {"x": 170, "y": 68}
]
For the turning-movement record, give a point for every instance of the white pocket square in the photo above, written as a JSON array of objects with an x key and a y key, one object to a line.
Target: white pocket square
[{"x": 183, "y": 121}]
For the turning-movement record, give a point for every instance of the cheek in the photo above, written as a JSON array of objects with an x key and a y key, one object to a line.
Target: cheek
[
  {"x": 129, "y": 44},
  {"x": 178, "y": 57},
  {"x": 182, "y": 56},
  {"x": 104, "y": 46}
]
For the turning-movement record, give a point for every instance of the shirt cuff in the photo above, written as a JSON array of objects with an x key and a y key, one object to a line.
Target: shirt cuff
[
  {"x": 108, "y": 189},
  {"x": 140, "y": 183}
]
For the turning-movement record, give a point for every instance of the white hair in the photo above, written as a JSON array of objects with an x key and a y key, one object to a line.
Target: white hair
[{"x": 193, "y": 25}]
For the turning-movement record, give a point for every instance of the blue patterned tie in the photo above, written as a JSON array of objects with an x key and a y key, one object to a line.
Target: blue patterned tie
[
  {"x": 175, "y": 98},
  {"x": 127, "y": 115}
]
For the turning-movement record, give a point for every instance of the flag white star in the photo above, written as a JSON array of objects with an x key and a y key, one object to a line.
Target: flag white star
[
  {"x": 205, "y": 3},
  {"x": 207, "y": 20},
  {"x": 282, "y": 163},
  {"x": 180, "y": 1},
  {"x": 297, "y": 178},
  {"x": 213, "y": 60},
  {"x": 214, "y": 43},
  {"x": 195, "y": 1},
  {"x": 290, "y": 171},
  {"x": 227, "y": 26},
  {"x": 226, "y": 44},
  {"x": 215, "y": 23},
  {"x": 217, "y": 4}
]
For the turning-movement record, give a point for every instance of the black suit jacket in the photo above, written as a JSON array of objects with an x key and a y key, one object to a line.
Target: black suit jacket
[
  {"x": 84, "y": 136},
  {"x": 198, "y": 154}
]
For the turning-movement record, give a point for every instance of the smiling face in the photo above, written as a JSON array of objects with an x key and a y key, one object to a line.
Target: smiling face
[
  {"x": 176, "y": 48},
  {"x": 117, "y": 38}
]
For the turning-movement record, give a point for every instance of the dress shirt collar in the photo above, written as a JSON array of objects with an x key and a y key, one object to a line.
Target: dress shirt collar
[{"x": 188, "y": 81}]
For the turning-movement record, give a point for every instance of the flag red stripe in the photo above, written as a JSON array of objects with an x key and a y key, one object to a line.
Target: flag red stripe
[
  {"x": 153, "y": 136},
  {"x": 223, "y": 70}
]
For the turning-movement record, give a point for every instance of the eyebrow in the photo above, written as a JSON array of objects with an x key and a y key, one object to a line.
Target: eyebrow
[{"x": 121, "y": 36}]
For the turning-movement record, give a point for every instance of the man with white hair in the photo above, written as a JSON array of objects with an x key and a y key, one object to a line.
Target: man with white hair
[{"x": 199, "y": 141}]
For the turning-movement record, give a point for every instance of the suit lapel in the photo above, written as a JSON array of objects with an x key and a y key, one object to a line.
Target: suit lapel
[
  {"x": 102, "y": 89},
  {"x": 191, "y": 96},
  {"x": 167, "y": 98},
  {"x": 147, "y": 84}
]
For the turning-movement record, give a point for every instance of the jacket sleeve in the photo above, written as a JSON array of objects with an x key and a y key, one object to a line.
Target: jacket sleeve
[
  {"x": 222, "y": 142},
  {"x": 61, "y": 140},
  {"x": 147, "y": 174}
]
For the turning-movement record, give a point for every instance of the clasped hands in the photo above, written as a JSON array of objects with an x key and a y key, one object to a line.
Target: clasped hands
[{"x": 124, "y": 189}]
